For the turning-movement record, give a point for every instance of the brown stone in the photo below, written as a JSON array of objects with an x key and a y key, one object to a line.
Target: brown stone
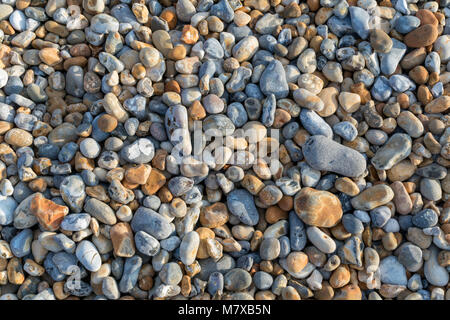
[
  {"x": 18, "y": 138},
  {"x": 50, "y": 56},
  {"x": 154, "y": 182},
  {"x": 204, "y": 234},
  {"x": 159, "y": 160},
  {"x": 170, "y": 16},
  {"x": 138, "y": 174},
  {"x": 177, "y": 53},
  {"x": 189, "y": 35},
  {"x": 274, "y": 214},
  {"x": 214, "y": 216},
  {"x": 419, "y": 74},
  {"x": 318, "y": 208},
  {"x": 362, "y": 91},
  {"x": 426, "y": 17},
  {"x": 347, "y": 186},
  {"x": 83, "y": 163},
  {"x": 349, "y": 292},
  {"x": 296, "y": 261},
  {"x": 423, "y": 36},
  {"x": 340, "y": 277},
  {"x": 107, "y": 123},
  {"x": 48, "y": 213},
  {"x": 196, "y": 111},
  {"x": 438, "y": 105},
  {"x": 122, "y": 240}
]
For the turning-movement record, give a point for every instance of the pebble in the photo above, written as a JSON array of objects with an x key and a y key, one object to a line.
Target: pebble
[
  {"x": 88, "y": 255},
  {"x": 318, "y": 208},
  {"x": 392, "y": 272},
  {"x": 397, "y": 148},
  {"x": 240, "y": 203},
  {"x": 321, "y": 153}
]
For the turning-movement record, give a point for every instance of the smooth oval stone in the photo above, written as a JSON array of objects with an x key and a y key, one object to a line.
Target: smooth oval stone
[
  {"x": 241, "y": 203},
  {"x": 262, "y": 280},
  {"x": 237, "y": 279},
  {"x": 269, "y": 249},
  {"x": 188, "y": 247},
  {"x": 315, "y": 124},
  {"x": 373, "y": 197},
  {"x": 435, "y": 274},
  {"x": 430, "y": 189},
  {"x": 318, "y": 208},
  {"x": 151, "y": 222},
  {"x": 325, "y": 154},
  {"x": 218, "y": 124},
  {"x": 352, "y": 224},
  {"x": 171, "y": 273},
  {"x": 88, "y": 255},
  {"x": 397, "y": 148},
  {"x": 76, "y": 222},
  {"x": 101, "y": 211},
  {"x": 321, "y": 240},
  {"x": 146, "y": 243},
  {"x": 297, "y": 232}
]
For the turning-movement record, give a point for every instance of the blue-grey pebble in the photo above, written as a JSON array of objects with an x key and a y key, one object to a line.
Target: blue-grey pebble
[
  {"x": 380, "y": 216},
  {"x": 88, "y": 255},
  {"x": 262, "y": 280},
  {"x": 21, "y": 244},
  {"x": 346, "y": 130},
  {"x": 352, "y": 224},
  {"x": 76, "y": 222},
  {"x": 237, "y": 114},
  {"x": 406, "y": 24},
  {"x": 360, "y": 21},
  {"x": 297, "y": 232},
  {"x": 322, "y": 153},
  {"x": 315, "y": 124},
  {"x": 410, "y": 256},
  {"x": 273, "y": 80},
  {"x": 146, "y": 243},
  {"x": 151, "y": 222},
  {"x": 215, "y": 283},
  {"x": 285, "y": 247},
  {"x": 241, "y": 203},
  {"x": 65, "y": 262},
  {"x": 237, "y": 280},
  {"x": 389, "y": 61},
  {"x": 425, "y": 219},
  {"x": 171, "y": 273},
  {"x": 381, "y": 89},
  {"x": 170, "y": 243},
  {"x": 130, "y": 273},
  {"x": 392, "y": 271}
]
